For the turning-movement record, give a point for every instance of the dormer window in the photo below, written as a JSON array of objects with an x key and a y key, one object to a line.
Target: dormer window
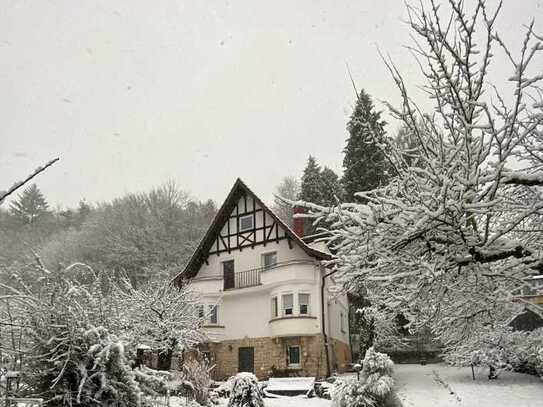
[{"x": 246, "y": 223}]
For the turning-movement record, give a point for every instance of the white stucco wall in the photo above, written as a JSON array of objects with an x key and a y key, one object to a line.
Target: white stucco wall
[{"x": 247, "y": 312}]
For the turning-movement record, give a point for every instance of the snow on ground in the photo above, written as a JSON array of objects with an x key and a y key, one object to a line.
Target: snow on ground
[
  {"x": 299, "y": 401},
  {"x": 286, "y": 401},
  {"x": 438, "y": 385}
]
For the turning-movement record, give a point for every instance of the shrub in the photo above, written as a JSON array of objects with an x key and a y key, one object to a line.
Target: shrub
[
  {"x": 374, "y": 388},
  {"x": 245, "y": 391}
]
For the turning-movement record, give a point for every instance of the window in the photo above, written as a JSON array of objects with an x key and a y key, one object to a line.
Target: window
[
  {"x": 293, "y": 356},
  {"x": 214, "y": 314},
  {"x": 288, "y": 304},
  {"x": 245, "y": 223},
  {"x": 303, "y": 301},
  {"x": 269, "y": 259},
  {"x": 200, "y": 310},
  {"x": 228, "y": 274},
  {"x": 274, "y": 308},
  {"x": 341, "y": 323}
]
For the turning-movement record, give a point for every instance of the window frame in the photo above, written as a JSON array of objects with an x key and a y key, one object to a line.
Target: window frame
[
  {"x": 308, "y": 304},
  {"x": 283, "y": 309},
  {"x": 274, "y": 306},
  {"x": 213, "y": 312},
  {"x": 263, "y": 261},
  {"x": 241, "y": 218},
  {"x": 289, "y": 363}
]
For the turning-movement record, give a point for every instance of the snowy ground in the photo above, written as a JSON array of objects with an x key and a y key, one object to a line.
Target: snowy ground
[
  {"x": 438, "y": 385},
  {"x": 443, "y": 386}
]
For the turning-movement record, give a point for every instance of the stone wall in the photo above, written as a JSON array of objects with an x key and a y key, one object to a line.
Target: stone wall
[{"x": 270, "y": 356}]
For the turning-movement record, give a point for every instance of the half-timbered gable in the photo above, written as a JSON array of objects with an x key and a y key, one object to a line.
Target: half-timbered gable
[{"x": 243, "y": 222}]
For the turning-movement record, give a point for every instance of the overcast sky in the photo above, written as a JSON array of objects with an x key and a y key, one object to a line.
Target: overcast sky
[{"x": 131, "y": 94}]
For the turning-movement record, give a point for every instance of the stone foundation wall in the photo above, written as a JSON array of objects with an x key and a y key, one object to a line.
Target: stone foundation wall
[{"x": 270, "y": 356}]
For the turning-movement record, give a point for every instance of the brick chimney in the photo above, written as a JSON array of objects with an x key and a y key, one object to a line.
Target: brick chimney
[{"x": 298, "y": 223}]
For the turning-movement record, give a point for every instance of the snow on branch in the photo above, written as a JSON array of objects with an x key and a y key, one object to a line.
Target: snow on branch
[{"x": 19, "y": 184}]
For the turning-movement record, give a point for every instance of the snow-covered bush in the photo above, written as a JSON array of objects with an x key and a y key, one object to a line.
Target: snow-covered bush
[
  {"x": 374, "y": 387},
  {"x": 245, "y": 391},
  {"x": 377, "y": 363},
  {"x": 499, "y": 348},
  {"x": 196, "y": 372}
]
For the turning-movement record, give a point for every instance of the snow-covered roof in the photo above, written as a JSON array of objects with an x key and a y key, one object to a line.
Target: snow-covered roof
[{"x": 238, "y": 190}]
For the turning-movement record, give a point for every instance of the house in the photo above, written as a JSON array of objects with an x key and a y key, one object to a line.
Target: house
[
  {"x": 267, "y": 296},
  {"x": 531, "y": 295}
]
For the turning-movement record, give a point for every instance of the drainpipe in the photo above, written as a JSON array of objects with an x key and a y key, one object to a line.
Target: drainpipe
[{"x": 325, "y": 337}]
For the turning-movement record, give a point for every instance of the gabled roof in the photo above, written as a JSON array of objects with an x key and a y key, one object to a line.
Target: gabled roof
[{"x": 238, "y": 190}]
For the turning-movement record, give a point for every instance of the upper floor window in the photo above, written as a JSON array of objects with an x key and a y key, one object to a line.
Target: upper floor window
[
  {"x": 269, "y": 259},
  {"x": 341, "y": 322},
  {"x": 229, "y": 276},
  {"x": 246, "y": 223},
  {"x": 288, "y": 304},
  {"x": 274, "y": 307},
  {"x": 303, "y": 301}
]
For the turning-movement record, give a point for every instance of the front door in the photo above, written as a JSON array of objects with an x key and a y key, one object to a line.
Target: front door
[{"x": 246, "y": 360}]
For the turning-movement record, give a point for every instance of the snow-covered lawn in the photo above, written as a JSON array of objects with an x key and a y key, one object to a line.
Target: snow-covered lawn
[
  {"x": 300, "y": 401},
  {"x": 438, "y": 385}
]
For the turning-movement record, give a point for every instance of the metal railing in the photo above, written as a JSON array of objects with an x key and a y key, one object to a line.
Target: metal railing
[{"x": 247, "y": 278}]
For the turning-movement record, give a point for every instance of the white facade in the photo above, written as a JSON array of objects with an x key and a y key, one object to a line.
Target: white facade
[
  {"x": 247, "y": 312},
  {"x": 264, "y": 281}
]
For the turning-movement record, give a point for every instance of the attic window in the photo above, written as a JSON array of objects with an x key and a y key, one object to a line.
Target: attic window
[{"x": 245, "y": 223}]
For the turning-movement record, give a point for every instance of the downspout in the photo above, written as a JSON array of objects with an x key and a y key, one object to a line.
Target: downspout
[{"x": 325, "y": 337}]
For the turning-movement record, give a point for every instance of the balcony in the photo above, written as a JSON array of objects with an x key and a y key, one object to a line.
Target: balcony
[{"x": 242, "y": 279}]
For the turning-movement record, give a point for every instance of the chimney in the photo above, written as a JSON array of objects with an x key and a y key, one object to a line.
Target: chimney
[{"x": 298, "y": 223}]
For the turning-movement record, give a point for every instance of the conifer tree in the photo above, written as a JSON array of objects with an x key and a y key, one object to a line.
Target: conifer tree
[
  {"x": 30, "y": 205},
  {"x": 330, "y": 186},
  {"x": 364, "y": 164},
  {"x": 311, "y": 190}
]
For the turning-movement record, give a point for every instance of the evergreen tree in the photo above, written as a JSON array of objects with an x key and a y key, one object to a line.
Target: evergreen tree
[
  {"x": 364, "y": 164},
  {"x": 30, "y": 205},
  {"x": 331, "y": 187},
  {"x": 311, "y": 190}
]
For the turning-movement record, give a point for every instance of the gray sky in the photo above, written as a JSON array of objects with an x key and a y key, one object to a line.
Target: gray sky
[{"x": 131, "y": 94}]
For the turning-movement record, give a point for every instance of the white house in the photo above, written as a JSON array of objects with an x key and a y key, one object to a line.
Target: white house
[{"x": 266, "y": 294}]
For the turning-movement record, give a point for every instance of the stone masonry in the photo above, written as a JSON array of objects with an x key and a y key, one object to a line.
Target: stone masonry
[{"x": 271, "y": 354}]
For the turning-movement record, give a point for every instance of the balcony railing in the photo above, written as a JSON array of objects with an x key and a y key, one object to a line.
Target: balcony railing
[{"x": 247, "y": 278}]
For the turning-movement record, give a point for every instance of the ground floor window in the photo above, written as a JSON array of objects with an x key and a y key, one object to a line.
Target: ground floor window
[{"x": 293, "y": 356}]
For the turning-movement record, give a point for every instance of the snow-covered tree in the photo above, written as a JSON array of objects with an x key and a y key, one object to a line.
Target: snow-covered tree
[
  {"x": 446, "y": 242},
  {"x": 289, "y": 188},
  {"x": 65, "y": 325},
  {"x": 163, "y": 317},
  {"x": 364, "y": 164}
]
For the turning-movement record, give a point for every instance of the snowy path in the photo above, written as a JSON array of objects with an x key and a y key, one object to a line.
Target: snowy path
[{"x": 442, "y": 386}]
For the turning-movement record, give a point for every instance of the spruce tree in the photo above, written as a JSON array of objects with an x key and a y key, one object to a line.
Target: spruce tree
[
  {"x": 331, "y": 187},
  {"x": 30, "y": 205},
  {"x": 312, "y": 186},
  {"x": 364, "y": 164}
]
